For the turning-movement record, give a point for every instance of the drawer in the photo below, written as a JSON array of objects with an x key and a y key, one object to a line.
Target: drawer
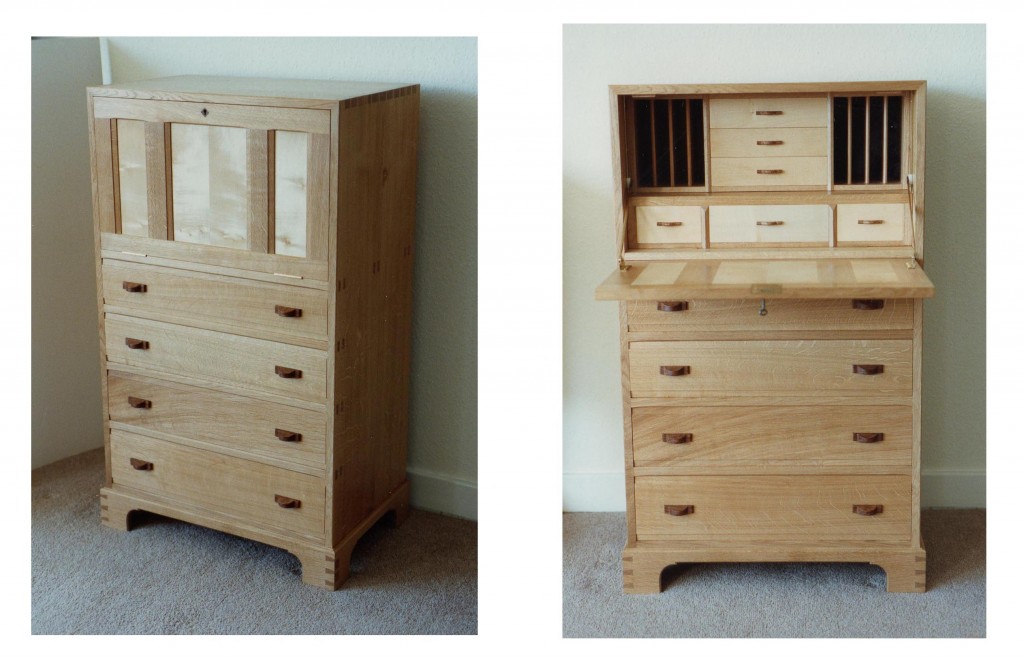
[
  {"x": 769, "y": 142},
  {"x": 795, "y": 367},
  {"x": 812, "y": 508},
  {"x": 769, "y": 112},
  {"x": 223, "y": 485},
  {"x": 743, "y": 224},
  {"x": 250, "y": 307},
  {"x": 783, "y": 314},
  {"x": 669, "y": 224},
  {"x": 221, "y": 357},
  {"x": 872, "y": 224},
  {"x": 778, "y": 436},
  {"x": 769, "y": 172},
  {"x": 265, "y": 430}
]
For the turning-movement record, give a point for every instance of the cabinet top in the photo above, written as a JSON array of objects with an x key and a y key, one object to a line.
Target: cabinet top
[
  {"x": 851, "y": 87},
  {"x": 201, "y": 88}
]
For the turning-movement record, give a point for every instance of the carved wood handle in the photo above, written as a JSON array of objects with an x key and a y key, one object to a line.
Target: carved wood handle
[
  {"x": 287, "y": 503},
  {"x": 675, "y": 370},
  {"x": 676, "y": 439},
  {"x": 767, "y": 112},
  {"x": 769, "y": 143},
  {"x": 672, "y": 306},
  {"x": 770, "y": 171},
  {"x": 139, "y": 403},
  {"x": 285, "y": 311},
  {"x": 136, "y": 344},
  {"x": 870, "y": 222},
  {"x": 140, "y": 465},
  {"x": 670, "y": 223},
  {"x": 287, "y": 372},
  {"x": 134, "y": 287},
  {"x": 678, "y": 510},
  {"x": 770, "y": 223},
  {"x": 867, "y": 510},
  {"x": 862, "y": 437},
  {"x": 869, "y": 370},
  {"x": 868, "y": 304},
  {"x": 288, "y": 436}
]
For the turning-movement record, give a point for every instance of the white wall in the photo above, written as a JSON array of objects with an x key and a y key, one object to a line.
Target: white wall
[{"x": 950, "y": 57}]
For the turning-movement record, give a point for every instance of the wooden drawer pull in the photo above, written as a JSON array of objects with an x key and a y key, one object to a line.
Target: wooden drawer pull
[
  {"x": 675, "y": 370},
  {"x": 678, "y": 510},
  {"x": 870, "y": 222},
  {"x": 868, "y": 304},
  {"x": 769, "y": 143},
  {"x": 867, "y": 510},
  {"x": 869, "y": 370},
  {"x": 134, "y": 287},
  {"x": 677, "y": 439},
  {"x": 670, "y": 223},
  {"x": 287, "y": 503},
  {"x": 288, "y": 436},
  {"x": 287, "y": 372},
  {"x": 861, "y": 437},
  {"x": 141, "y": 465},
  {"x": 672, "y": 306},
  {"x": 136, "y": 344},
  {"x": 139, "y": 403},
  {"x": 770, "y": 223},
  {"x": 285, "y": 311},
  {"x": 770, "y": 171},
  {"x": 767, "y": 112}
]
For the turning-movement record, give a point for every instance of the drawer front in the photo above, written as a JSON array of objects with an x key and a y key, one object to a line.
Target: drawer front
[
  {"x": 669, "y": 224},
  {"x": 804, "y": 224},
  {"x": 769, "y": 112},
  {"x": 769, "y": 172},
  {"x": 774, "y": 507},
  {"x": 219, "y": 483},
  {"x": 257, "y": 308},
  {"x": 872, "y": 224},
  {"x": 232, "y": 359},
  {"x": 768, "y": 142},
  {"x": 760, "y": 436},
  {"x": 263, "y": 429},
  {"x": 783, "y": 314},
  {"x": 796, "y": 367}
]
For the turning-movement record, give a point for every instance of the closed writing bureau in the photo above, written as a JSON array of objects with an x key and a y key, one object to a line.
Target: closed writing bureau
[
  {"x": 770, "y": 286},
  {"x": 254, "y": 243}
]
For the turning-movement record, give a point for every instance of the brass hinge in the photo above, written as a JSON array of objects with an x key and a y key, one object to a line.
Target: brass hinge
[{"x": 623, "y": 266}]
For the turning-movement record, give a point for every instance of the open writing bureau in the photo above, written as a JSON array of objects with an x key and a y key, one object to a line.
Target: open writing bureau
[
  {"x": 770, "y": 285},
  {"x": 254, "y": 269}
]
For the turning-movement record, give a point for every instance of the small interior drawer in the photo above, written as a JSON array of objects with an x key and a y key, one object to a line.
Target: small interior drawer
[
  {"x": 765, "y": 173},
  {"x": 769, "y": 142},
  {"x": 769, "y": 112},
  {"x": 669, "y": 225},
  {"x": 872, "y": 224},
  {"x": 806, "y": 224},
  {"x": 816, "y": 508}
]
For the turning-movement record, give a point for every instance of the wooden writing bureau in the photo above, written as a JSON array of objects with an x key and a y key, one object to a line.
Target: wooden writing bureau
[
  {"x": 770, "y": 288},
  {"x": 254, "y": 267}
]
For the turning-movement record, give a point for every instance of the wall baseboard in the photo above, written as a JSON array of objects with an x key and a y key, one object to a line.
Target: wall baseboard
[
  {"x": 445, "y": 494},
  {"x": 605, "y": 492}
]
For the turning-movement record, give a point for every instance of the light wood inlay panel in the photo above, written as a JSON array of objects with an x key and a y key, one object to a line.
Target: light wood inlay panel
[
  {"x": 132, "y": 176},
  {"x": 290, "y": 183}
]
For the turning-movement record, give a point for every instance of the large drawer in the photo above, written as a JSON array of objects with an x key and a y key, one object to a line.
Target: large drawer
[
  {"x": 222, "y": 485},
  {"x": 179, "y": 350},
  {"x": 872, "y": 224},
  {"x": 776, "y": 436},
  {"x": 769, "y": 224},
  {"x": 765, "y": 173},
  {"x": 264, "y": 430},
  {"x": 769, "y": 112},
  {"x": 769, "y": 142},
  {"x": 793, "y": 367},
  {"x": 259, "y": 309},
  {"x": 783, "y": 314},
  {"x": 811, "y": 508}
]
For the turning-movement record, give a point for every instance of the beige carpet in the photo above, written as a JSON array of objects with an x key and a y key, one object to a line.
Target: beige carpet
[
  {"x": 168, "y": 577},
  {"x": 787, "y": 600}
]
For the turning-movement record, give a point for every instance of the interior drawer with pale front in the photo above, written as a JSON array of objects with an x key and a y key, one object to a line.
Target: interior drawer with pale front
[
  {"x": 769, "y": 142},
  {"x": 860, "y": 509},
  {"x": 272, "y": 367},
  {"x": 259, "y": 429},
  {"x": 769, "y": 225},
  {"x": 219, "y": 485},
  {"x": 873, "y": 224},
  {"x": 677, "y": 225},
  {"x": 769, "y": 112},
  {"x": 695, "y": 315},
  {"x": 760, "y": 437},
  {"x": 781, "y": 367},
  {"x": 765, "y": 173},
  {"x": 248, "y": 307}
]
